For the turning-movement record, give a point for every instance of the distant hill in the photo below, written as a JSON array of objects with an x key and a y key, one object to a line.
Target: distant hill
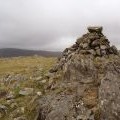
[{"x": 13, "y": 52}]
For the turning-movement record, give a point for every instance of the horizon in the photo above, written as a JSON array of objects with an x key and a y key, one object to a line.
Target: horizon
[{"x": 31, "y": 49}]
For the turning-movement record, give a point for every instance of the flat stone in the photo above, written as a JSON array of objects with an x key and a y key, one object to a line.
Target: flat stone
[
  {"x": 103, "y": 47},
  {"x": 97, "y": 29},
  {"x": 85, "y": 45},
  {"x": 92, "y": 52},
  {"x": 98, "y": 52},
  {"x": 20, "y": 118},
  {"x": 26, "y": 91}
]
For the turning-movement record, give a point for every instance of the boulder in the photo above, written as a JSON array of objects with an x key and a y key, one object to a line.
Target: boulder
[
  {"x": 88, "y": 84},
  {"x": 109, "y": 94}
]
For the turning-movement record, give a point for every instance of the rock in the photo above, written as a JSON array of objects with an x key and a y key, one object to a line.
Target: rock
[
  {"x": 20, "y": 118},
  {"x": 22, "y": 110},
  {"x": 3, "y": 110},
  {"x": 14, "y": 105},
  {"x": 38, "y": 78},
  {"x": 114, "y": 50},
  {"x": 3, "y": 107},
  {"x": 95, "y": 43},
  {"x": 103, "y": 52},
  {"x": 98, "y": 52},
  {"x": 95, "y": 29},
  {"x": 85, "y": 46},
  {"x": 26, "y": 91},
  {"x": 92, "y": 52},
  {"x": 87, "y": 52},
  {"x": 84, "y": 52},
  {"x": 103, "y": 47},
  {"x": 109, "y": 92},
  {"x": 39, "y": 93},
  {"x": 75, "y": 46},
  {"x": 55, "y": 68},
  {"x": 96, "y": 48},
  {"x": 93, "y": 36},
  {"x": 10, "y": 96},
  {"x": 78, "y": 41},
  {"x": 88, "y": 84},
  {"x": 43, "y": 81}
]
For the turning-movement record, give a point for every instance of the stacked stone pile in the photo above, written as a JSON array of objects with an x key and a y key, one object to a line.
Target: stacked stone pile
[
  {"x": 84, "y": 84},
  {"x": 93, "y": 43}
]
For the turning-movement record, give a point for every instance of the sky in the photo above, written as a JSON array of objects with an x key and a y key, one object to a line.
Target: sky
[{"x": 55, "y": 24}]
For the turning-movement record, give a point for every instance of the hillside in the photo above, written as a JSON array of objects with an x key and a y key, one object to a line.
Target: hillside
[
  {"x": 21, "y": 85},
  {"x": 12, "y": 52},
  {"x": 83, "y": 84}
]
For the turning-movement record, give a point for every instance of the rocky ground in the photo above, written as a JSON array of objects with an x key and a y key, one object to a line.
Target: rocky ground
[
  {"x": 21, "y": 85},
  {"x": 84, "y": 84}
]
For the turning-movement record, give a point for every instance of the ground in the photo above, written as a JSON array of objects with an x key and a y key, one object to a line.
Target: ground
[{"x": 21, "y": 85}]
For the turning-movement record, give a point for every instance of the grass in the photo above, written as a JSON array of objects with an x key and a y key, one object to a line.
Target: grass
[
  {"x": 23, "y": 72},
  {"x": 23, "y": 64}
]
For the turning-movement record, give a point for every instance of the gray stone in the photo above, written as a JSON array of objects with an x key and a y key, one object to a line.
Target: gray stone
[
  {"x": 97, "y": 29},
  {"x": 95, "y": 43},
  {"x": 3, "y": 107},
  {"x": 3, "y": 110},
  {"x": 109, "y": 92},
  {"x": 103, "y": 52},
  {"x": 26, "y": 91},
  {"x": 55, "y": 68},
  {"x": 10, "y": 96},
  {"x": 84, "y": 52},
  {"x": 88, "y": 84},
  {"x": 114, "y": 49},
  {"x": 98, "y": 52},
  {"x": 103, "y": 47},
  {"x": 85, "y": 46},
  {"x": 92, "y": 52},
  {"x": 96, "y": 48},
  {"x": 20, "y": 118},
  {"x": 79, "y": 40},
  {"x": 93, "y": 36}
]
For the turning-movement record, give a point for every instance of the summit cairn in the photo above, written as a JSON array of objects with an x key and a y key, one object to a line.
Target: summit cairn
[
  {"x": 94, "y": 44},
  {"x": 85, "y": 82}
]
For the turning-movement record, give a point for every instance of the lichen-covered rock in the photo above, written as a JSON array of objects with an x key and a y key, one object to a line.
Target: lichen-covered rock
[
  {"x": 109, "y": 92},
  {"x": 88, "y": 84}
]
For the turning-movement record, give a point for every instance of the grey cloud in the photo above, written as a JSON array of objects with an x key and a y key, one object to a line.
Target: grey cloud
[{"x": 55, "y": 24}]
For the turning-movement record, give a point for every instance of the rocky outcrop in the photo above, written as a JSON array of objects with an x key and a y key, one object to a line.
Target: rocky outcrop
[{"x": 84, "y": 84}]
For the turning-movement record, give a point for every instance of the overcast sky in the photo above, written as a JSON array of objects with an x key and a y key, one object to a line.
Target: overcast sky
[{"x": 55, "y": 24}]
